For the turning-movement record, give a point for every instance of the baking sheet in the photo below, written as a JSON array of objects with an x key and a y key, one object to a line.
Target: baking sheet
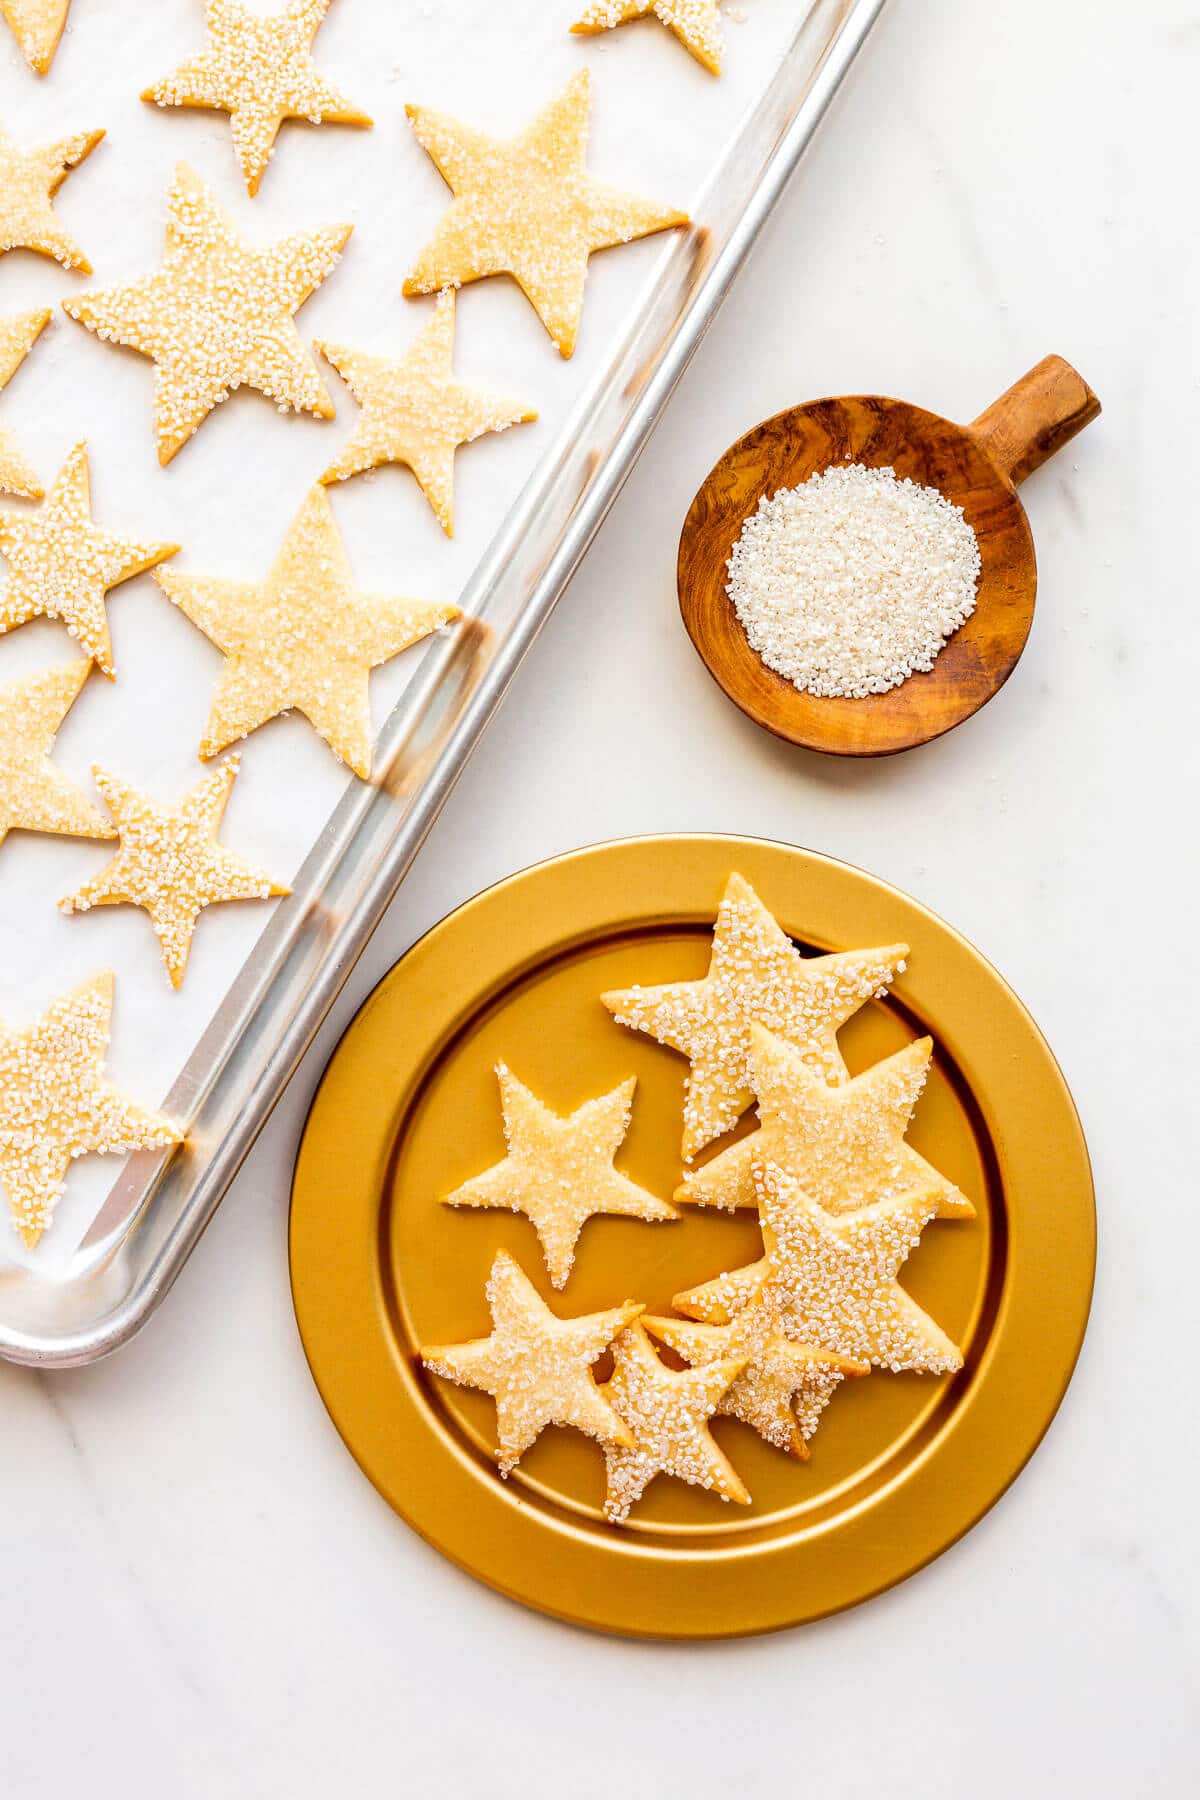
[{"x": 659, "y": 126}]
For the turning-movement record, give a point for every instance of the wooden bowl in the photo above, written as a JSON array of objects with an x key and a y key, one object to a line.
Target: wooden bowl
[{"x": 976, "y": 466}]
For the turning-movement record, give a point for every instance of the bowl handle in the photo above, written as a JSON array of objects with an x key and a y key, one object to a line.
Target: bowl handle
[{"x": 1035, "y": 417}]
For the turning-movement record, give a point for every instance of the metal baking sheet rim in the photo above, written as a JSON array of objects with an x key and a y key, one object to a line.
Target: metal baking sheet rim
[{"x": 159, "y": 1206}]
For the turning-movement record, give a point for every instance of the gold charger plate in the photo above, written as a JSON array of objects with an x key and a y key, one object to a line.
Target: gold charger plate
[{"x": 407, "y": 1109}]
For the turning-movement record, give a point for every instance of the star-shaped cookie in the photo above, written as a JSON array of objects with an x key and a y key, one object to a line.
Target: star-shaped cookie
[
  {"x": 696, "y": 23},
  {"x": 536, "y": 1366},
  {"x": 170, "y": 862},
  {"x": 527, "y": 207},
  {"x": 37, "y": 26},
  {"x": 757, "y": 974},
  {"x": 256, "y": 67},
  {"x": 61, "y": 565},
  {"x": 305, "y": 638},
  {"x": 56, "y": 1105},
  {"x": 29, "y": 180},
  {"x": 835, "y": 1278},
  {"x": 34, "y": 795},
  {"x": 18, "y": 334},
  {"x": 843, "y": 1145},
  {"x": 783, "y": 1387},
  {"x": 667, "y": 1414},
  {"x": 218, "y": 315},
  {"x": 415, "y": 412},
  {"x": 559, "y": 1172}
]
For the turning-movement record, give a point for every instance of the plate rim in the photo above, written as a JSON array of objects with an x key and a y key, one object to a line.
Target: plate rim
[{"x": 579, "y": 1590}]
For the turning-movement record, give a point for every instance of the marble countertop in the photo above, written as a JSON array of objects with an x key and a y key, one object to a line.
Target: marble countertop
[{"x": 203, "y": 1596}]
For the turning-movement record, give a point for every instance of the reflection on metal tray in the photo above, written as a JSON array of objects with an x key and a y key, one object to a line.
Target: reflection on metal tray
[{"x": 158, "y": 1207}]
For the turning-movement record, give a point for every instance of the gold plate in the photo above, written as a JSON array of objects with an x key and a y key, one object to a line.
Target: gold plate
[{"x": 407, "y": 1109}]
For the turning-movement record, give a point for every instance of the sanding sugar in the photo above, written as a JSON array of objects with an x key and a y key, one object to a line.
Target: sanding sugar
[{"x": 853, "y": 581}]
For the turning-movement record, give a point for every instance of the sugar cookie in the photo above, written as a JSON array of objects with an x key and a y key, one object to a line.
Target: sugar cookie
[
  {"x": 56, "y": 1105},
  {"x": 29, "y": 180},
  {"x": 757, "y": 974},
  {"x": 844, "y": 1145},
  {"x": 34, "y": 795},
  {"x": 256, "y": 67},
  {"x": 170, "y": 862},
  {"x": 559, "y": 1171},
  {"x": 415, "y": 412},
  {"x": 37, "y": 26},
  {"x": 61, "y": 565},
  {"x": 527, "y": 207},
  {"x": 667, "y": 1415},
  {"x": 835, "y": 1278},
  {"x": 536, "y": 1366},
  {"x": 696, "y": 23},
  {"x": 305, "y": 638},
  {"x": 783, "y": 1387},
  {"x": 218, "y": 315},
  {"x": 18, "y": 334}
]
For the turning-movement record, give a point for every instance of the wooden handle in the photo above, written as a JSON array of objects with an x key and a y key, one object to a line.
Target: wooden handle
[{"x": 1037, "y": 416}]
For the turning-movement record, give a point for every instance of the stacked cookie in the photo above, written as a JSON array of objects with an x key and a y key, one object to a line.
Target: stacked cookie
[{"x": 841, "y": 1199}]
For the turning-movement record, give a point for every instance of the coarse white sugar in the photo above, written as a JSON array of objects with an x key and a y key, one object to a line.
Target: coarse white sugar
[{"x": 852, "y": 582}]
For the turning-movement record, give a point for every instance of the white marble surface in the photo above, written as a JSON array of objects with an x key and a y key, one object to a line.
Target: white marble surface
[{"x": 202, "y": 1596}]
